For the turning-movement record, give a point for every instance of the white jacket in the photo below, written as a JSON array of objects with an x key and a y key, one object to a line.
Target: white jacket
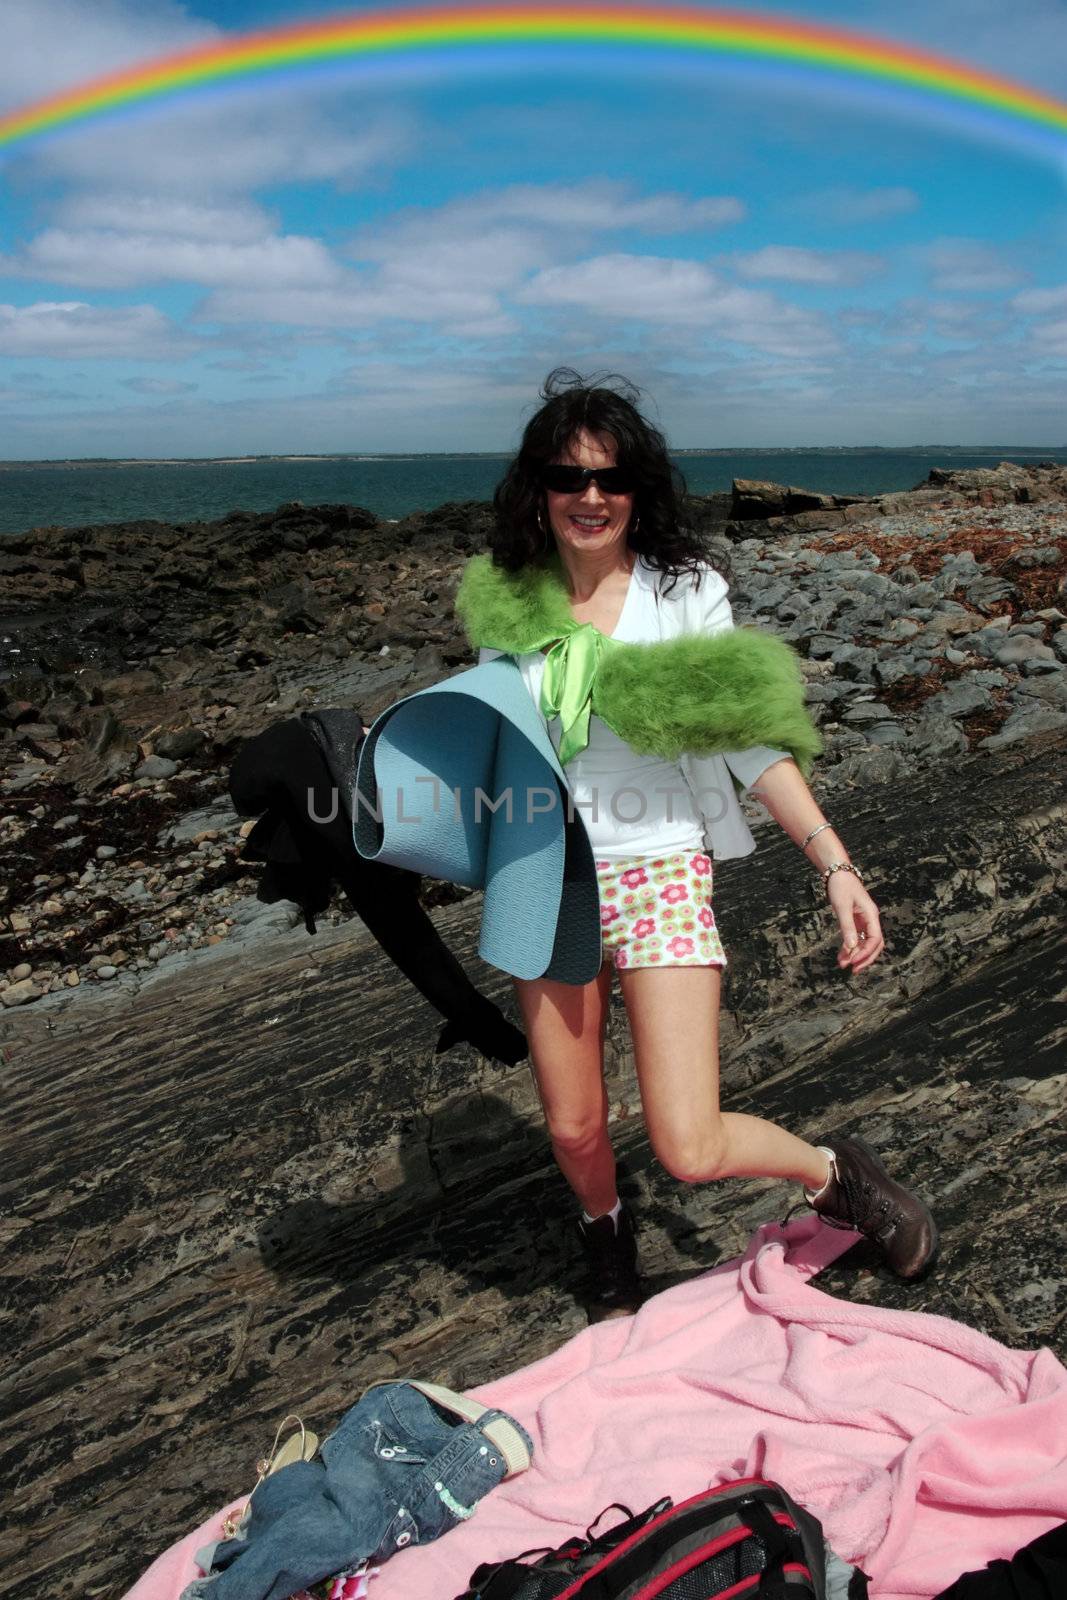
[{"x": 648, "y": 616}]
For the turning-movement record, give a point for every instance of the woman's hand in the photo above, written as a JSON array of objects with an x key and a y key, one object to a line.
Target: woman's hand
[{"x": 861, "y": 931}]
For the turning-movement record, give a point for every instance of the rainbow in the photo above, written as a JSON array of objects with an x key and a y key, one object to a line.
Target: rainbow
[{"x": 448, "y": 30}]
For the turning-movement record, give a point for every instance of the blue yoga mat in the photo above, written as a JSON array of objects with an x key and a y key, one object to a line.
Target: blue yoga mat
[{"x": 461, "y": 782}]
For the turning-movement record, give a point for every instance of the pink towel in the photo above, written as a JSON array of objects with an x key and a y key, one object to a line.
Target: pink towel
[{"x": 925, "y": 1448}]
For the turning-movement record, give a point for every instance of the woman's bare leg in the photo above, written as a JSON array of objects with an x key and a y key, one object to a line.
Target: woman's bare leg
[
  {"x": 565, "y": 1026},
  {"x": 674, "y": 1020}
]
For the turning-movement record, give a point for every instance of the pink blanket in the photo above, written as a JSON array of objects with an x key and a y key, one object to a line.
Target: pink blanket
[{"x": 925, "y": 1448}]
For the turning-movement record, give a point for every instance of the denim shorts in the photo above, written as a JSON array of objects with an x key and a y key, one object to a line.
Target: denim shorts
[{"x": 655, "y": 911}]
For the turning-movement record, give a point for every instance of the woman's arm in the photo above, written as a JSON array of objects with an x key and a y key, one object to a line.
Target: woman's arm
[{"x": 791, "y": 803}]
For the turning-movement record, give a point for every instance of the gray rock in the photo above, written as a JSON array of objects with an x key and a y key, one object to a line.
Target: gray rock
[
  {"x": 854, "y": 659},
  {"x": 960, "y": 699},
  {"x": 988, "y": 589},
  {"x": 893, "y": 668},
  {"x": 1022, "y": 723},
  {"x": 985, "y": 642},
  {"x": 23, "y": 970},
  {"x": 104, "y": 729},
  {"x": 874, "y": 764},
  {"x": 104, "y": 852},
  {"x": 156, "y": 767},
  {"x": 106, "y": 971},
  {"x": 936, "y": 735},
  {"x": 219, "y": 817},
  {"x": 1051, "y": 687},
  {"x": 1059, "y": 643},
  {"x": 863, "y": 712},
  {"x": 821, "y": 646},
  {"x": 1022, "y": 652},
  {"x": 886, "y": 733},
  {"x": 179, "y": 743},
  {"x": 828, "y": 692}
]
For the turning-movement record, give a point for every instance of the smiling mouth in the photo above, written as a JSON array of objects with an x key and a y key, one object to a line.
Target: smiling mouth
[{"x": 590, "y": 522}]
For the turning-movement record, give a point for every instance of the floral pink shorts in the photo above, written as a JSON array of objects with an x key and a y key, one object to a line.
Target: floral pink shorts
[{"x": 655, "y": 911}]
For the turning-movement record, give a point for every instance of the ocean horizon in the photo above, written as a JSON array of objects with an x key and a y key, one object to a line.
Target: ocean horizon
[{"x": 76, "y": 492}]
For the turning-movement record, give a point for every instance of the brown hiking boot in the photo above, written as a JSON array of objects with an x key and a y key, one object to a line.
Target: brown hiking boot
[
  {"x": 611, "y": 1257},
  {"x": 861, "y": 1195}
]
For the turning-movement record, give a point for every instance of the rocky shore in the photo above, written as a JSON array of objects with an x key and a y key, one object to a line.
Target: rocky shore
[
  {"x": 134, "y": 658},
  {"x": 238, "y": 1182}
]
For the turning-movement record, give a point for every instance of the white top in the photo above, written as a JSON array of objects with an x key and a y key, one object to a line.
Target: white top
[{"x": 643, "y": 805}]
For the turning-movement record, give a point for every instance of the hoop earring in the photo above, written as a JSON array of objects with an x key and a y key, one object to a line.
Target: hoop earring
[
  {"x": 635, "y": 526},
  {"x": 544, "y": 530}
]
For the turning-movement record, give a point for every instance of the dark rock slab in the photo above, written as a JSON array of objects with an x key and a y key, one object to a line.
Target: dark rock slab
[{"x": 257, "y": 1188}]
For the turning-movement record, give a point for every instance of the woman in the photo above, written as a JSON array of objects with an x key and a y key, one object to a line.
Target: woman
[{"x": 589, "y": 558}]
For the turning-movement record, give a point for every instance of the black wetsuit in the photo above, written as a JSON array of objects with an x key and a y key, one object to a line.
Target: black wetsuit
[{"x": 297, "y": 777}]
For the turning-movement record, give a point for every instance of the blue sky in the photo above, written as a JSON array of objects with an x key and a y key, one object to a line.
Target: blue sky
[{"x": 351, "y": 263}]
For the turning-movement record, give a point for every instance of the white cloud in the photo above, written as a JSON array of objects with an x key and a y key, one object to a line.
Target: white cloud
[
  {"x": 72, "y": 330},
  {"x": 551, "y": 217},
  {"x": 1052, "y": 338},
  {"x": 297, "y": 132},
  {"x": 456, "y": 265},
  {"x": 596, "y": 206},
  {"x": 1035, "y": 301},
  {"x": 792, "y": 264},
  {"x": 55, "y": 44},
  {"x": 685, "y": 294},
  {"x": 967, "y": 265},
  {"x": 99, "y": 259},
  {"x": 213, "y": 149},
  {"x": 238, "y": 221}
]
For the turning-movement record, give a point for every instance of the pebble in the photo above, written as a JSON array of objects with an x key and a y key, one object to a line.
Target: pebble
[
  {"x": 72, "y": 980},
  {"x": 23, "y": 970},
  {"x": 106, "y": 971},
  {"x": 18, "y": 994},
  {"x": 104, "y": 852}
]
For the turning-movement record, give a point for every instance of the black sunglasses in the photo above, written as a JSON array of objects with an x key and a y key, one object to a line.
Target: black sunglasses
[{"x": 575, "y": 480}]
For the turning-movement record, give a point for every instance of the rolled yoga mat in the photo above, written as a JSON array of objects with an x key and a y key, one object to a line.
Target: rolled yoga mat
[{"x": 461, "y": 782}]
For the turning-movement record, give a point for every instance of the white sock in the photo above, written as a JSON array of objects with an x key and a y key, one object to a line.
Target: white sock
[
  {"x": 613, "y": 1214},
  {"x": 813, "y": 1194}
]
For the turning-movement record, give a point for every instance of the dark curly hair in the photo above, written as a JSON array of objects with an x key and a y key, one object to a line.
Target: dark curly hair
[{"x": 572, "y": 403}]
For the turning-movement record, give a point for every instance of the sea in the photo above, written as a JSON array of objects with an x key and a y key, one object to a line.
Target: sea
[{"x": 80, "y": 493}]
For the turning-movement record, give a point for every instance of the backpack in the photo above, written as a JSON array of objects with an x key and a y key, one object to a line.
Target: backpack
[{"x": 747, "y": 1540}]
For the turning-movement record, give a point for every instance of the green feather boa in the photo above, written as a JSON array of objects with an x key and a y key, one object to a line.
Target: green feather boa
[{"x": 696, "y": 694}]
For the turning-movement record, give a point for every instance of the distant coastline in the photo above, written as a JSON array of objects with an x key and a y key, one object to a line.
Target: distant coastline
[
  {"x": 181, "y": 491},
  {"x": 997, "y": 450}
]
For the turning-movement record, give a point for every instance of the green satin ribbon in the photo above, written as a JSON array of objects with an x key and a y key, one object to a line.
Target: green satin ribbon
[{"x": 571, "y": 667}]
